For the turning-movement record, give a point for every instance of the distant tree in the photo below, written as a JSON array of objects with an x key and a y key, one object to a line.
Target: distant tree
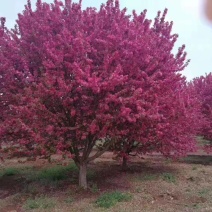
[
  {"x": 203, "y": 88},
  {"x": 70, "y": 77}
]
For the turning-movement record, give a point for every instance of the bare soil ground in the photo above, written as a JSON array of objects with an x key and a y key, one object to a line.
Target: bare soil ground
[{"x": 156, "y": 184}]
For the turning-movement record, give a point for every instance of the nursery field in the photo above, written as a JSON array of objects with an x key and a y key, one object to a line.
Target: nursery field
[
  {"x": 85, "y": 83},
  {"x": 151, "y": 183}
]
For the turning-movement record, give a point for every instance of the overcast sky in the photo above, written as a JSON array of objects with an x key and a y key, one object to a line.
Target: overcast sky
[{"x": 189, "y": 22}]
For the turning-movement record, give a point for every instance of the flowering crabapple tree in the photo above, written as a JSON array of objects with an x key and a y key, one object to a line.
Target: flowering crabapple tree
[
  {"x": 71, "y": 77},
  {"x": 173, "y": 133},
  {"x": 203, "y": 88}
]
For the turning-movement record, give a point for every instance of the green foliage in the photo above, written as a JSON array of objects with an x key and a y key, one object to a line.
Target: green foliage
[
  {"x": 39, "y": 203},
  {"x": 169, "y": 177},
  {"x": 108, "y": 200}
]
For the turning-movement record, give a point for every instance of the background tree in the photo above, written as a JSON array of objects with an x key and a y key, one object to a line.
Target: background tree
[
  {"x": 70, "y": 77},
  {"x": 203, "y": 88}
]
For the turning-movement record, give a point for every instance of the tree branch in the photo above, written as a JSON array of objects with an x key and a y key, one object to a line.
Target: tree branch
[{"x": 101, "y": 152}]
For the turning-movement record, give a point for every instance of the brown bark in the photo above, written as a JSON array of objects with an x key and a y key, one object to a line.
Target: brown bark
[{"x": 83, "y": 176}]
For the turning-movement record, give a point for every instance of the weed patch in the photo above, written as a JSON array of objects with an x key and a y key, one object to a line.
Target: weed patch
[
  {"x": 108, "y": 200},
  {"x": 168, "y": 177},
  {"x": 39, "y": 203},
  {"x": 204, "y": 192},
  {"x": 9, "y": 172},
  {"x": 149, "y": 177},
  {"x": 56, "y": 173}
]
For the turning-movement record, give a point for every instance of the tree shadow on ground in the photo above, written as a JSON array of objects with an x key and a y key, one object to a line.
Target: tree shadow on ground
[
  {"x": 198, "y": 159},
  {"x": 106, "y": 176},
  {"x": 10, "y": 185},
  {"x": 109, "y": 176}
]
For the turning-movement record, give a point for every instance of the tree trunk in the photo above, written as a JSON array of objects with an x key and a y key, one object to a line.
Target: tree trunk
[
  {"x": 124, "y": 164},
  {"x": 83, "y": 176}
]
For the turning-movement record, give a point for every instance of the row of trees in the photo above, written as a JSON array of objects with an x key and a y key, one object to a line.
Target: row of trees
[{"x": 78, "y": 82}]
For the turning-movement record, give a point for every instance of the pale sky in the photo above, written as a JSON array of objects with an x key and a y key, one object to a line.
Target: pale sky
[{"x": 189, "y": 22}]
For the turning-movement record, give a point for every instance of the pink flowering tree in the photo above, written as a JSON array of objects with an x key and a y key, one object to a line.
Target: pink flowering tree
[
  {"x": 203, "y": 88},
  {"x": 70, "y": 77},
  {"x": 172, "y": 132}
]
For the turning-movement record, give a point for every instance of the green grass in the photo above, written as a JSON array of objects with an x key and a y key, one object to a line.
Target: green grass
[
  {"x": 53, "y": 174},
  {"x": 56, "y": 173},
  {"x": 148, "y": 177},
  {"x": 9, "y": 171},
  {"x": 196, "y": 206},
  {"x": 204, "y": 192},
  {"x": 39, "y": 203},
  {"x": 169, "y": 177},
  {"x": 108, "y": 200}
]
